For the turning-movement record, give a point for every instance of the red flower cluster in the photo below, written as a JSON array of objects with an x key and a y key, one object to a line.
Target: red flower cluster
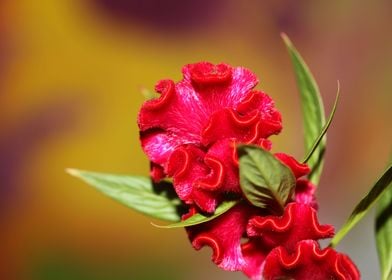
[{"x": 190, "y": 133}]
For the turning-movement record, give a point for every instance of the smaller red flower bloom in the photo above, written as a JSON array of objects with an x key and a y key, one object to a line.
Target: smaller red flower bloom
[
  {"x": 308, "y": 261},
  {"x": 298, "y": 222},
  {"x": 225, "y": 235}
]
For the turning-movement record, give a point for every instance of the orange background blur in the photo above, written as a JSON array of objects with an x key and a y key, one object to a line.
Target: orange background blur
[{"x": 70, "y": 79}]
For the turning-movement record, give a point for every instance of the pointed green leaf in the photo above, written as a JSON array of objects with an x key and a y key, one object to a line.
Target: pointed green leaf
[
  {"x": 384, "y": 233},
  {"x": 325, "y": 128},
  {"x": 364, "y": 205},
  {"x": 200, "y": 218},
  {"x": 136, "y": 192},
  {"x": 265, "y": 181},
  {"x": 312, "y": 110}
]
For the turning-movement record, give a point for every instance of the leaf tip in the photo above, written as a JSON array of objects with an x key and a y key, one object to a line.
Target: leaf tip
[
  {"x": 337, "y": 92},
  {"x": 337, "y": 89},
  {"x": 158, "y": 226},
  {"x": 285, "y": 39},
  {"x": 73, "y": 172}
]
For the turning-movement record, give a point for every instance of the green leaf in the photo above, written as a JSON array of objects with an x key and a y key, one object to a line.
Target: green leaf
[
  {"x": 312, "y": 110},
  {"x": 136, "y": 192},
  {"x": 364, "y": 205},
  {"x": 384, "y": 233},
  {"x": 200, "y": 218},
  {"x": 325, "y": 128},
  {"x": 264, "y": 180}
]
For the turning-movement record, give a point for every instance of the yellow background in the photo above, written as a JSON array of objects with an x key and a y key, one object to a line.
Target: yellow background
[{"x": 70, "y": 78}]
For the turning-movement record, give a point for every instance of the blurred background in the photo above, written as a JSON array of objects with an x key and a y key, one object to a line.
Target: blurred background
[{"x": 70, "y": 78}]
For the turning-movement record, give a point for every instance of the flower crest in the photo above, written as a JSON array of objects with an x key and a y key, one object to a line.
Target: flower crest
[
  {"x": 190, "y": 131},
  {"x": 190, "y": 134}
]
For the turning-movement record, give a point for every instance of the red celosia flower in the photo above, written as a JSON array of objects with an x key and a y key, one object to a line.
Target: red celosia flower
[
  {"x": 263, "y": 233},
  {"x": 308, "y": 261},
  {"x": 189, "y": 132},
  {"x": 299, "y": 222}
]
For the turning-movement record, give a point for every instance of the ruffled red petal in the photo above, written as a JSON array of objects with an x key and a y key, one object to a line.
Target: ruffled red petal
[
  {"x": 223, "y": 162},
  {"x": 223, "y": 235},
  {"x": 205, "y": 73},
  {"x": 158, "y": 145},
  {"x": 308, "y": 261},
  {"x": 203, "y": 178},
  {"x": 299, "y": 169},
  {"x": 219, "y": 87},
  {"x": 186, "y": 165},
  {"x": 229, "y": 124},
  {"x": 152, "y": 110},
  {"x": 179, "y": 111},
  {"x": 254, "y": 254},
  {"x": 270, "y": 118},
  {"x": 298, "y": 222},
  {"x": 254, "y": 120}
]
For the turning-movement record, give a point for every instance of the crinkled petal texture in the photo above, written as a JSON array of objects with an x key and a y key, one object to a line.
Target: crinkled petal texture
[
  {"x": 189, "y": 131},
  {"x": 201, "y": 177},
  {"x": 305, "y": 193},
  {"x": 298, "y": 222},
  {"x": 308, "y": 261},
  {"x": 262, "y": 233},
  {"x": 223, "y": 235}
]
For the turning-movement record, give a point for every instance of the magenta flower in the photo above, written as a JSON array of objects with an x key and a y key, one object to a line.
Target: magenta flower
[
  {"x": 263, "y": 232},
  {"x": 298, "y": 222},
  {"x": 190, "y": 131},
  {"x": 308, "y": 261},
  {"x": 190, "y": 134}
]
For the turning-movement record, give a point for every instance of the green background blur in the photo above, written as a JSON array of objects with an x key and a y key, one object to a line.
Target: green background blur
[{"x": 70, "y": 78}]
